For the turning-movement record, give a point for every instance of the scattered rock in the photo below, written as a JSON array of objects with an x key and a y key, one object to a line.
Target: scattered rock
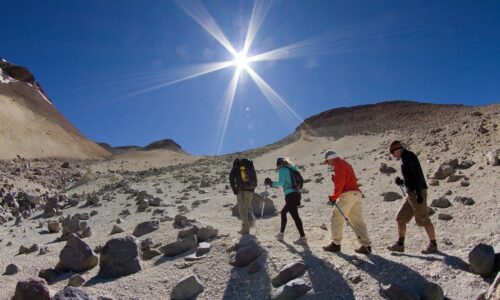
[
  {"x": 179, "y": 246},
  {"x": 384, "y": 169},
  {"x": 391, "y": 196},
  {"x": 289, "y": 272},
  {"x": 50, "y": 275},
  {"x": 150, "y": 254},
  {"x": 31, "y": 289},
  {"x": 206, "y": 233},
  {"x": 76, "y": 281},
  {"x": 441, "y": 202},
  {"x": 187, "y": 288},
  {"x": 493, "y": 157},
  {"x": 76, "y": 256},
  {"x": 203, "y": 248},
  {"x": 292, "y": 290},
  {"x": 443, "y": 171},
  {"x": 12, "y": 269},
  {"x": 464, "y": 200},
  {"x": 146, "y": 227},
  {"x": 116, "y": 229},
  {"x": 119, "y": 257},
  {"x": 53, "y": 226},
  {"x": 482, "y": 259},
  {"x": 445, "y": 217},
  {"x": 73, "y": 293}
]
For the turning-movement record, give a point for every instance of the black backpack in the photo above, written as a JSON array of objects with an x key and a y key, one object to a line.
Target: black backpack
[
  {"x": 297, "y": 180},
  {"x": 246, "y": 175}
]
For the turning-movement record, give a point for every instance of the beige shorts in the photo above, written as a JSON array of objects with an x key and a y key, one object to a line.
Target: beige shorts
[{"x": 411, "y": 208}]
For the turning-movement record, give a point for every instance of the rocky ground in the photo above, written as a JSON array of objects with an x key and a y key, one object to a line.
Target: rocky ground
[{"x": 143, "y": 226}]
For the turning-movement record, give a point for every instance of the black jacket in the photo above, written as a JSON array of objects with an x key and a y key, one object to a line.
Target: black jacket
[{"x": 412, "y": 172}]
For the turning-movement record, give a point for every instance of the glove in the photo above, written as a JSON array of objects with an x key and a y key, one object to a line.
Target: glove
[
  {"x": 333, "y": 200},
  {"x": 268, "y": 181},
  {"x": 399, "y": 181},
  {"x": 420, "y": 199}
]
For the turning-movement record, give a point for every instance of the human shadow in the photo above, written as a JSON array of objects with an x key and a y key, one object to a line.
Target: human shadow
[
  {"x": 245, "y": 283},
  {"x": 326, "y": 282},
  {"x": 453, "y": 261},
  {"x": 389, "y": 272}
]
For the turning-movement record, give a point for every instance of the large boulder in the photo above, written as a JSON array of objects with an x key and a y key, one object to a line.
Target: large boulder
[
  {"x": 482, "y": 259},
  {"x": 12, "y": 269},
  {"x": 245, "y": 251},
  {"x": 432, "y": 291},
  {"x": 119, "y": 257},
  {"x": 31, "y": 289},
  {"x": 443, "y": 171},
  {"x": 187, "y": 288},
  {"x": 289, "y": 272},
  {"x": 77, "y": 256},
  {"x": 257, "y": 201},
  {"x": 146, "y": 227},
  {"x": 292, "y": 290},
  {"x": 179, "y": 246},
  {"x": 72, "y": 293}
]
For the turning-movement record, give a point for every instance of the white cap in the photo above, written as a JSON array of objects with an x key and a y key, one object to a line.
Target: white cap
[{"x": 330, "y": 155}]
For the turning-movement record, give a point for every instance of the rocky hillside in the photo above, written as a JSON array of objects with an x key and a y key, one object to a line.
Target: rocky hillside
[
  {"x": 31, "y": 126},
  {"x": 166, "y": 144}
]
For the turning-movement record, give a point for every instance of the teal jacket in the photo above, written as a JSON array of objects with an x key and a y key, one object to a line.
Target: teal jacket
[{"x": 285, "y": 179}]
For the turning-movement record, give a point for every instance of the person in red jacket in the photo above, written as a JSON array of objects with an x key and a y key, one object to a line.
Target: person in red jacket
[{"x": 347, "y": 197}]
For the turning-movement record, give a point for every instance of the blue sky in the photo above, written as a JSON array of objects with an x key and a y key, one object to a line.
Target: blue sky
[{"x": 94, "y": 57}]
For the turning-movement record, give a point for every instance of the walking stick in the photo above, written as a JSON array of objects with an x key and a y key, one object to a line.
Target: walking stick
[
  {"x": 265, "y": 194},
  {"x": 347, "y": 220}
]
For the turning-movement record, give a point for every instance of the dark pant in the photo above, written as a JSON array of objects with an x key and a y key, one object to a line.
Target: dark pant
[{"x": 292, "y": 206}]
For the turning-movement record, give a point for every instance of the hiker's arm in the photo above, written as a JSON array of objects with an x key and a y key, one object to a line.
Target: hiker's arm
[
  {"x": 281, "y": 180},
  {"x": 338, "y": 183}
]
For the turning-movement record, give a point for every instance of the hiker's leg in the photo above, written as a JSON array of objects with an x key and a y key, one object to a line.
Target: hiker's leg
[
  {"x": 357, "y": 221},
  {"x": 337, "y": 220},
  {"x": 284, "y": 211},
  {"x": 404, "y": 216},
  {"x": 293, "y": 200},
  {"x": 243, "y": 208},
  {"x": 422, "y": 219}
]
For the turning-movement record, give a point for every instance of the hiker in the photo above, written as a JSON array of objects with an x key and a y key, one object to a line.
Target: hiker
[
  {"x": 346, "y": 199},
  {"x": 415, "y": 204},
  {"x": 292, "y": 197},
  {"x": 243, "y": 181}
]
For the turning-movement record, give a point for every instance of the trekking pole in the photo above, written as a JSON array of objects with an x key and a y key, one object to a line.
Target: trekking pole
[
  {"x": 263, "y": 203},
  {"x": 347, "y": 220},
  {"x": 420, "y": 229}
]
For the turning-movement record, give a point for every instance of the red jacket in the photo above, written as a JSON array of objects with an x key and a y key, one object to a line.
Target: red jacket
[{"x": 344, "y": 179}]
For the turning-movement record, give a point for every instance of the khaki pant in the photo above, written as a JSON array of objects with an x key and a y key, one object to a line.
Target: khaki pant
[
  {"x": 411, "y": 208},
  {"x": 244, "y": 200},
  {"x": 350, "y": 204}
]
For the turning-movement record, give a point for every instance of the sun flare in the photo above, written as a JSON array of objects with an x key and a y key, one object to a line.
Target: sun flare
[{"x": 241, "y": 60}]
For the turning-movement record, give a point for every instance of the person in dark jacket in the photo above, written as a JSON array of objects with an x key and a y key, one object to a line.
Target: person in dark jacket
[
  {"x": 243, "y": 181},
  {"x": 415, "y": 204}
]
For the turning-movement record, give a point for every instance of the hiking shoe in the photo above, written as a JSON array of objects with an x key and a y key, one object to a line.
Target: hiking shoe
[
  {"x": 243, "y": 232},
  {"x": 364, "y": 250},
  {"x": 397, "y": 248},
  {"x": 280, "y": 236},
  {"x": 430, "y": 249},
  {"x": 301, "y": 241},
  {"x": 332, "y": 248}
]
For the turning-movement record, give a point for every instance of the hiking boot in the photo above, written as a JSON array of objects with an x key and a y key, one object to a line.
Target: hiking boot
[
  {"x": 364, "y": 250},
  {"x": 397, "y": 248},
  {"x": 280, "y": 236},
  {"x": 430, "y": 249},
  {"x": 244, "y": 232},
  {"x": 332, "y": 248},
  {"x": 301, "y": 241}
]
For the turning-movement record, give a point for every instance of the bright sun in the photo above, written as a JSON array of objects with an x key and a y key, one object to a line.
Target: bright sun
[{"x": 241, "y": 60}]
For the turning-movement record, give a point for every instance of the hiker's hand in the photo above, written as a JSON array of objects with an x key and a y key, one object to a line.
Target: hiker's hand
[
  {"x": 399, "y": 181},
  {"x": 333, "y": 200},
  {"x": 420, "y": 199},
  {"x": 268, "y": 182}
]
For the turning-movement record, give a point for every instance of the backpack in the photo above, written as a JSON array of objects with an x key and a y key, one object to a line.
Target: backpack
[
  {"x": 246, "y": 175},
  {"x": 297, "y": 179}
]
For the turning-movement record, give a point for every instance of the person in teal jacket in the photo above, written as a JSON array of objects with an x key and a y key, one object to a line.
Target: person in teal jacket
[{"x": 292, "y": 198}]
